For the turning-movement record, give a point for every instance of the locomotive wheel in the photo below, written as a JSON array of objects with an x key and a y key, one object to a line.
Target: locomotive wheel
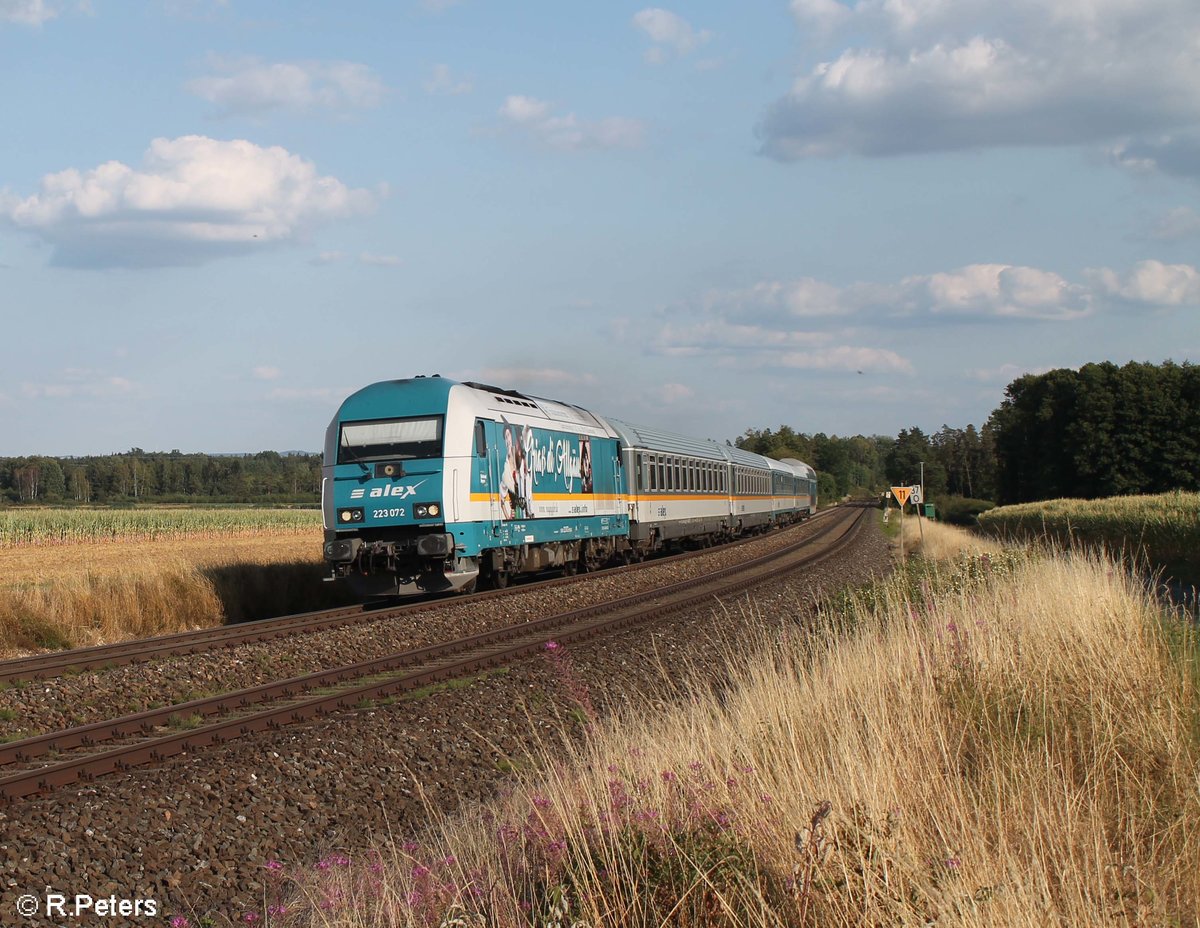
[
  {"x": 570, "y": 568},
  {"x": 500, "y": 579}
]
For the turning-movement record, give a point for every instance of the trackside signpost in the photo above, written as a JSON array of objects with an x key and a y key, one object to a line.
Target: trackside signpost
[{"x": 901, "y": 494}]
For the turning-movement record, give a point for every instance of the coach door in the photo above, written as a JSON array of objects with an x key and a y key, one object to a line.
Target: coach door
[
  {"x": 618, "y": 484},
  {"x": 487, "y": 477}
]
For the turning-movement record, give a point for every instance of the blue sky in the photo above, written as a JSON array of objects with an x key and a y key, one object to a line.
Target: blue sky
[{"x": 219, "y": 218}]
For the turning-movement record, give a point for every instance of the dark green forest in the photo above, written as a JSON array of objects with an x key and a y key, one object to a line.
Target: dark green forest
[
  {"x": 136, "y": 476},
  {"x": 1099, "y": 431},
  {"x": 1102, "y": 430}
]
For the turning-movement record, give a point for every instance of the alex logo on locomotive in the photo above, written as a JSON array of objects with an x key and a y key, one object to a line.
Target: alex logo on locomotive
[{"x": 392, "y": 490}]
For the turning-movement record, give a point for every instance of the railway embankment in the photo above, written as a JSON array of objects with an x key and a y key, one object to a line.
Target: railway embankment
[
  {"x": 968, "y": 743},
  {"x": 200, "y": 831}
]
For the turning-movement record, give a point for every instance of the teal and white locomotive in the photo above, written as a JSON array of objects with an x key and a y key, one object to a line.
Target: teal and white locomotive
[{"x": 432, "y": 485}]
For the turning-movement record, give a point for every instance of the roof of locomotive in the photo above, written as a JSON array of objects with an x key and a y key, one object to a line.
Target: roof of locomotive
[{"x": 379, "y": 401}]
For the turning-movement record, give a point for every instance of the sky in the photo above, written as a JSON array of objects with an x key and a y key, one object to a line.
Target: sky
[{"x": 218, "y": 219}]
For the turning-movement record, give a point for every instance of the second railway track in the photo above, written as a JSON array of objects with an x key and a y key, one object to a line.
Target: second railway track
[
  {"x": 52, "y": 760},
  {"x": 44, "y": 666}
]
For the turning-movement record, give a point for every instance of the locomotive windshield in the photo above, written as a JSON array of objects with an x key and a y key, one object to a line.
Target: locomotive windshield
[{"x": 390, "y": 440}]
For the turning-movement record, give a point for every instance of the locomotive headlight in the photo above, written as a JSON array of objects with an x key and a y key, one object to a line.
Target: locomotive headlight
[
  {"x": 350, "y": 516},
  {"x": 427, "y": 510}
]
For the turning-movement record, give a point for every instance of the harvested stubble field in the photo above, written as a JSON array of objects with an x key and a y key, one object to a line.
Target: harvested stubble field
[{"x": 79, "y": 577}]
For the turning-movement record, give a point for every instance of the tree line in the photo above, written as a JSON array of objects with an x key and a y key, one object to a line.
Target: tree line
[
  {"x": 138, "y": 476},
  {"x": 1099, "y": 431},
  {"x": 1102, "y": 430}
]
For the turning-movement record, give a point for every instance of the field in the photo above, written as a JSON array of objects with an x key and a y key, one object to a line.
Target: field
[
  {"x": 68, "y": 526},
  {"x": 1003, "y": 739},
  {"x": 1163, "y": 530},
  {"x": 79, "y": 577}
]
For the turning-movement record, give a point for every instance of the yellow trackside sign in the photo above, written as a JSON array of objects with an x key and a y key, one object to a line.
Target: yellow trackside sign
[{"x": 901, "y": 494}]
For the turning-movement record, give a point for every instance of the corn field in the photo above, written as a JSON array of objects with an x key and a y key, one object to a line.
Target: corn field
[
  {"x": 66, "y": 526},
  {"x": 1164, "y": 528}
]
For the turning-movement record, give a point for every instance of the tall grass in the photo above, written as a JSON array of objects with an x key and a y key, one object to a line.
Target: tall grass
[
  {"x": 1164, "y": 528},
  {"x": 1019, "y": 748},
  {"x": 941, "y": 542}
]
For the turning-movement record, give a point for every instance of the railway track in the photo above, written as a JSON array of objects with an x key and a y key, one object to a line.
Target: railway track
[
  {"x": 43, "y": 666},
  {"x": 56, "y": 759}
]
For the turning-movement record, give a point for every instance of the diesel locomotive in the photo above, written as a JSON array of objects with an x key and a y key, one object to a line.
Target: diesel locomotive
[{"x": 432, "y": 485}]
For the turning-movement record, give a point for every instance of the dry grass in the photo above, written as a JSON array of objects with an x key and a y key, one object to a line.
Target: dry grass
[
  {"x": 1164, "y": 528},
  {"x": 72, "y": 595},
  {"x": 1020, "y": 749},
  {"x": 941, "y": 542}
]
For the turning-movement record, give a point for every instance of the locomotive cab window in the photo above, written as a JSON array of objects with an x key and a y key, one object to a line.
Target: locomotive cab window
[{"x": 390, "y": 440}]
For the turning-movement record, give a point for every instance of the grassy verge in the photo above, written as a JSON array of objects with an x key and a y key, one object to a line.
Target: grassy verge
[
  {"x": 1002, "y": 740},
  {"x": 1163, "y": 529}
]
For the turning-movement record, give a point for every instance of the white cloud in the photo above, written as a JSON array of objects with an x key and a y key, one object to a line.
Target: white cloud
[
  {"x": 524, "y": 110},
  {"x": 194, "y": 198},
  {"x": 998, "y": 290},
  {"x": 977, "y": 290},
  {"x": 669, "y": 32},
  {"x": 699, "y": 336},
  {"x": 804, "y": 297},
  {"x": 79, "y": 383},
  {"x": 816, "y": 325},
  {"x": 568, "y": 133},
  {"x": 848, "y": 358},
  {"x": 290, "y": 394},
  {"x": 252, "y": 86},
  {"x": 822, "y": 15},
  {"x": 442, "y": 82},
  {"x": 1005, "y": 373},
  {"x": 1153, "y": 284},
  {"x": 327, "y": 257},
  {"x": 675, "y": 393},
  {"x": 1176, "y": 224},
  {"x": 266, "y": 372},
  {"x": 26, "y": 12},
  {"x": 930, "y": 75},
  {"x": 521, "y": 378},
  {"x": 372, "y": 260},
  {"x": 1177, "y": 154}
]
